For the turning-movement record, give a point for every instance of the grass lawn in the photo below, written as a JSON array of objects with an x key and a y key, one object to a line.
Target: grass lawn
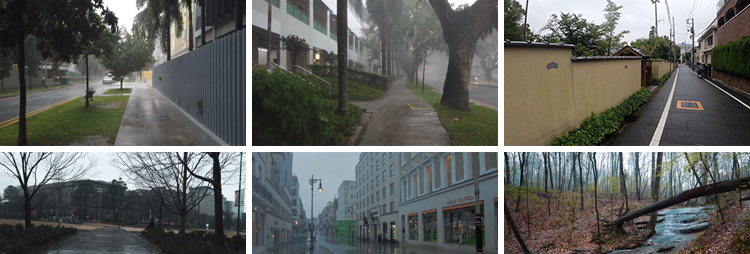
[
  {"x": 71, "y": 122},
  {"x": 18, "y": 91},
  {"x": 118, "y": 91},
  {"x": 477, "y": 127}
]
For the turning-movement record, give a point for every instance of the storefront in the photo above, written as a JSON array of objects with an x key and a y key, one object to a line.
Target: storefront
[{"x": 442, "y": 216}]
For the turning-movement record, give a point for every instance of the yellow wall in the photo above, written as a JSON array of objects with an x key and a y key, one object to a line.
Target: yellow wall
[
  {"x": 542, "y": 103},
  {"x": 146, "y": 76},
  {"x": 659, "y": 68}
]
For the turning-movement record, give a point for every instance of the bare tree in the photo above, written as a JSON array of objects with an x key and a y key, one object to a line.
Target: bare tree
[
  {"x": 220, "y": 162},
  {"x": 173, "y": 181},
  {"x": 623, "y": 187},
  {"x": 509, "y": 219},
  {"x": 655, "y": 183},
  {"x": 34, "y": 170}
]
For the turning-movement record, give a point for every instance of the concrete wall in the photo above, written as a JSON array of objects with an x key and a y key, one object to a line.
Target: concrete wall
[
  {"x": 13, "y": 83},
  {"x": 542, "y": 103}
]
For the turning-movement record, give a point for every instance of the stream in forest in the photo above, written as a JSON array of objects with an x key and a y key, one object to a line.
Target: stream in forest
[{"x": 674, "y": 228}]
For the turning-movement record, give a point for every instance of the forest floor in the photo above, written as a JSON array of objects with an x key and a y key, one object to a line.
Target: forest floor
[{"x": 565, "y": 228}]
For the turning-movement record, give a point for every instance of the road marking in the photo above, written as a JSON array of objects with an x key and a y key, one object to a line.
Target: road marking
[
  {"x": 414, "y": 107},
  {"x": 698, "y": 105},
  {"x": 735, "y": 98},
  {"x": 662, "y": 122},
  {"x": 32, "y": 113}
]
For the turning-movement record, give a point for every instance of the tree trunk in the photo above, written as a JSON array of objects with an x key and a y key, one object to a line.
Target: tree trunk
[
  {"x": 86, "y": 61},
  {"x": 182, "y": 223},
  {"x": 26, "y": 205},
  {"x": 343, "y": 52},
  {"x": 596, "y": 182},
  {"x": 623, "y": 187},
  {"x": 637, "y": 177},
  {"x": 218, "y": 213},
  {"x": 509, "y": 219},
  {"x": 2, "y": 83},
  {"x": 580, "y": 178},
  {"x": 461, "y": 30},
  {"x": 507, "y": 170},
  {"x": 711, "y": 189},
  {"x": 521, "y": 182},
  {"x": 121, "y": 80},
  {"x": 423, "y": 71},
  {"x": 655, "y": 184},
  {"x": 546, "y": 176},
  {"x": 190, "y": 26},
  {"x": 383, "y": 46}
]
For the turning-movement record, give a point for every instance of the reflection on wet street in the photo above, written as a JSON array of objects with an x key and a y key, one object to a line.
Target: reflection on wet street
[{"x": 330, "y": 246}]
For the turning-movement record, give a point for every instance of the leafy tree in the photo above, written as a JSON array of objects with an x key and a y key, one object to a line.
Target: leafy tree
[
  {"x": 155, "y": 22},
  {"x": 132, "y": 53},
  {"x": 424, "y": 38},
  {"x": 572, "y": 29},
  {"x": 296, "y": 46},
  {"x": 6, "y": 65},
  {"x": 611, "y": 39},
  {"x": 329, "y": 57},
  {"x": 34, "y": 60},
  {"x": 382, "y": 14},
  {"x": 488, "y": 55},
  {"x": 12, "y": 198},
  {"x": 461, "y": 30},
  {"x": 62, "y": 28},
  {"x": 371, "y": 43},
  {"x": 84, "y": 196},
  {"x": 660, "y": 47},
  {"x": 513, "y": 18}
]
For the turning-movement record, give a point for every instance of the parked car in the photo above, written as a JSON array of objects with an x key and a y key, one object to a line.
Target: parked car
[{"x": 107, "y": 80}]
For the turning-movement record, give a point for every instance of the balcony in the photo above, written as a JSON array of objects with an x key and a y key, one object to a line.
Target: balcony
[
  {"x": 218, "y": 10},
  {"x": 319, "y": 27},
  {"x": 297, "y": 13},
  {"x": 334, "y": 37}
]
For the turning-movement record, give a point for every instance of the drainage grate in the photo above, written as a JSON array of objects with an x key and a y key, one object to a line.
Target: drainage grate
[
  {"x": 154, "y": 117},
  {"x": 686, "y": 104},
  {"x": 693, "y": 105}
]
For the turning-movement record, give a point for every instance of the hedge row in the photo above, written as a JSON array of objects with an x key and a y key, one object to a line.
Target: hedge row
[
  {"x": 19, "y": 240},
  {"x": 595, "y": 127},
  {"x": 331, "y": 71},
  {"x": 733, "y": 57},
  {"x": 193, "y": 242},
  {"x": 663, "y": 78}
]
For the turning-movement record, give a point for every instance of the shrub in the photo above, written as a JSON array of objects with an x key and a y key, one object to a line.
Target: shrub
[
  {"x": 733, "y": 57},
  {"x": 331, "y": 71},
  {"x": 663, "y": 78},
  {"x": 356, "y": 90},
  {"x": 285, "y": 112},
  {"x": 594, "y": 128}
]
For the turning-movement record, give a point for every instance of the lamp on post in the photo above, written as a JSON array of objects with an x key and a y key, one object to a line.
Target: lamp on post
[{"x": 312, "y": 222}]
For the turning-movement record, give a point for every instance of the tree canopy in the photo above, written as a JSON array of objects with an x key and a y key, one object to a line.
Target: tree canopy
[
  {"x": 513, "y": 21},
  {"x": 295, "y": 46},
  {"x": 132, "y": 53},
  {"x": 660, "y": 47}
]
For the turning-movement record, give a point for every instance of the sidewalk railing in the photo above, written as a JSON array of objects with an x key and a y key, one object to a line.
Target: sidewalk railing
[
  {"x": 321, "y": 79},
  {"x": 209, "y": 84}
]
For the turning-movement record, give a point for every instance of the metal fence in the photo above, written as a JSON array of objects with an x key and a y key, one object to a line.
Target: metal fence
[{"x": 209, "y": 84}]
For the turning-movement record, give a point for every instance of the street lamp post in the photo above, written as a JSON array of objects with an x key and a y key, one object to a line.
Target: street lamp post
[
  {"x": 119, "y": 215},
  {"x": 477, "y": 209},
  {"x": 312, "y": 222}
]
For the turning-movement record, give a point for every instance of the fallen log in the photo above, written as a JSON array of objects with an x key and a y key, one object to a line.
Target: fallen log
[{"x": 711, "y": 189}]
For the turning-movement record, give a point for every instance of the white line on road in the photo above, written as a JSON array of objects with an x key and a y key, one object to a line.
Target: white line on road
[
  {"x": 735, "y": 98},
  {"x": 662, "y": 122}
]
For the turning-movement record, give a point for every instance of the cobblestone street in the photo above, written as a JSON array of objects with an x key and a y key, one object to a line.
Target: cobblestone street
[{"x": 105, "y": 240}]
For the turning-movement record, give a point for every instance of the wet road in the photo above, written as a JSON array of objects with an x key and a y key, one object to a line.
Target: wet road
[
  {"x": 478, "y": 92},
  {"x": 330, "y": 246},
  {"x": 9, "y": 106}
]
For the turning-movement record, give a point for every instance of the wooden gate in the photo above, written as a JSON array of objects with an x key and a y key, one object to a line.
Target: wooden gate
[{"x": 646, "y": 74}]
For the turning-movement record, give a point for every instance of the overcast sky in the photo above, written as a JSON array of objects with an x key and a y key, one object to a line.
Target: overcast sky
[
  {"x": 124, "y": 10},
  {"x": 104, "y": 171},
  {"x": 637, "y": 16},
  {"x": 331, "y": 168}
]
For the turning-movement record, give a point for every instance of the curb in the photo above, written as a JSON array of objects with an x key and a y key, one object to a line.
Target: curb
[
  {"x": 34, "y": 112},
  {"x": 28, "y": 93},
  {"x": 364, "y": 121}
]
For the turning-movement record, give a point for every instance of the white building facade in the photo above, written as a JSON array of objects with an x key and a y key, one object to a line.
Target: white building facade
[
  {"x": 272, "y": 203},
  {"x": 438, "y": 203},
  {"x": 377, "y": 197},
  {"x": 346, "y": 200}
]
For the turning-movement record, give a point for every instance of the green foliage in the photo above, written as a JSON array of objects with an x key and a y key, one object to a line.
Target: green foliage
[
  {"x": 19, "y": 240},
  {"x": 286, "y": 113},
  {"x": 157, "y": 21},
  {"x": 660, "y": 47},
  {"x": 663, "y": 79},
  {"x": 571, "y": 28},
  {"x": 295, "y": 46},
  {"x": 741, "y": 240},
  {"x": 595, "y": 127},
  {"x": 733, "y": 57},
  {"x": 357, "y": 91},
  {"x": 513, "y": 21},
  {"x": 132, "y": 53},
  {"x": 331, "y": 71},
  {"x": 610, "y": 39}
]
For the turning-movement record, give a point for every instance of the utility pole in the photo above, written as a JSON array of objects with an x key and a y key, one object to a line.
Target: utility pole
[
  {"x": 239, "y": 201},
  {"x": 656, "y": 20},
  {"x": 691, "y": 23},
  {"x": 525, "y": 15}
]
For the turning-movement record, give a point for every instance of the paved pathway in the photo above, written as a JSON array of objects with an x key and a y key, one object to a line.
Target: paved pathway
[
  {"x": 699, "y": 113},
  {"x": 401, "y": 119},
  {"x": 105, "y": 240},
  {"x": 146, "y": 122}
]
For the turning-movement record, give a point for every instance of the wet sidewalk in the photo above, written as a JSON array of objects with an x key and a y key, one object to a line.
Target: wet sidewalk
[
  {"x": 105, "y": 240},
  {"x": 147, "y": 123},
  {"x": 330, "y": 246},
  {"x": 401, "y": 119}
]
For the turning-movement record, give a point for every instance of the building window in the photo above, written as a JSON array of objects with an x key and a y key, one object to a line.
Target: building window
[
  {"x": 294, "y": 212},
  {"x": 383, "y": 192},
  {"x": 430, "y": 226},
  {"x": 448, "y": 170},
  {"x": 383, "y": 211},
  {"x": 459, "y": 226},
  {"x": 460, "y": 169},
  {"x": 487, "y": 161},
  {"x": 711, "y": 40},
  {"x": 294, "y": 202},
  {"x": 372, "y": 198},
  {"x": 403, "y": 159},
  {"x": 391, "y": 154},
  {"x": 413, "y": 154},
  {"x": 377, "y": 163},
  {"x": 421, "y": 183},
  {"x": 257, "y": 228},
  {"x": 404, "y": 191},
  {"x": 428, "y": 178},
  {"x": 372, "y": 184},
  {"x": 392, "y": 206},
  {"x": 377, "y": 180},
  {"x": 391, "y": 189},
  {"x": 413, "y": 227},
  {"x": 391, "y": 169},
  {"x": 383, "y": 175},
  {"x": 383, "y": 158},
  {"x": 416, "y": 183}
]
